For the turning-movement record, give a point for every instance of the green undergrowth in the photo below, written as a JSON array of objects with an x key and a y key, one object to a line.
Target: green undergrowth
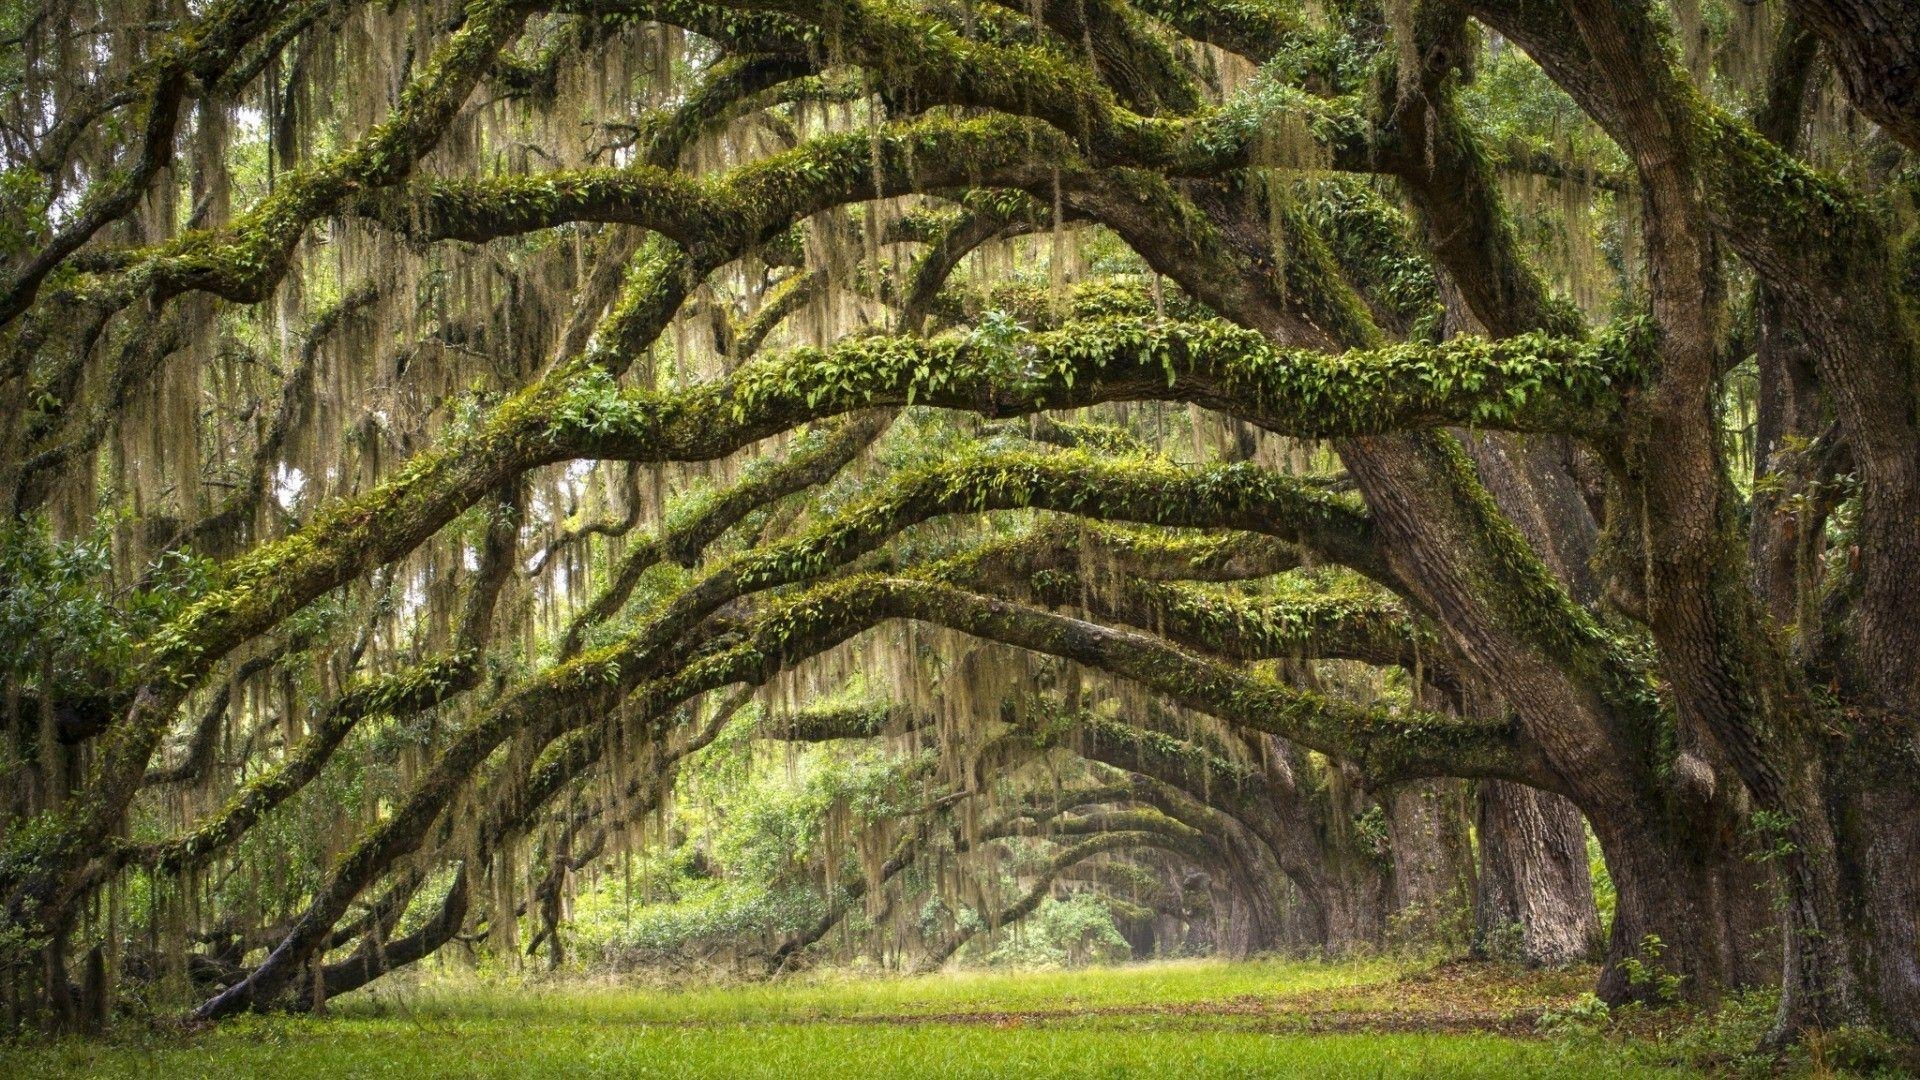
[
  {"x": 1371, "y": 1018},
  {"x": 1725, "y": 1040}
]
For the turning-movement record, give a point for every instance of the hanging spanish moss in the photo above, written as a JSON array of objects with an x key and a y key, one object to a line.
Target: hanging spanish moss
[{"x": 695, "y": 493}]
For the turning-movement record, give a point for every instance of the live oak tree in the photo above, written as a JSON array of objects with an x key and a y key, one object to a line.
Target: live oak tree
[{"x": 425, "y": 424}]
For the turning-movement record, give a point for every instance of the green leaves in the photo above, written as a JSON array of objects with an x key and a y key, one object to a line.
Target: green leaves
[
  {"x": 57, "y": 599},
  {"x": 594, "y": 404}
]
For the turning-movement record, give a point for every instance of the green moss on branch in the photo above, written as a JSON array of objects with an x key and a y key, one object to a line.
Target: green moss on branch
[{"x": 1384, "y": 743}]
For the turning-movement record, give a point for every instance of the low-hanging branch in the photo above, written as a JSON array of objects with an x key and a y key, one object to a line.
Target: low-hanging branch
[
  {"x": 402, "y": 693},
  {"x": 1138, "y": 582},
  {"x": 761, "y": 569},
  {"x": 1099, "y": 488},
  {"x": 1523, "y": 383},
  {"x": 1385, "y": 744}
]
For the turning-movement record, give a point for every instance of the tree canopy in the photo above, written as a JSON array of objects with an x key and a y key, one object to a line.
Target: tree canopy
[{"x": 1209, "y": 454}]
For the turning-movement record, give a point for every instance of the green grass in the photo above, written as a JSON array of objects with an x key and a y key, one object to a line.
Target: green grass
[
  {"x": 1176, "y": 1019},
  {"x": 840, "y": 996},
  {"x": 563, "y": 1048}
]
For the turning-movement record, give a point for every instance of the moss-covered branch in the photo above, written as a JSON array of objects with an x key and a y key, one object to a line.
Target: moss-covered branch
[
  {"x": 1522, "y": 383},
  {"x": 1351, "y": 622},
  {"x": 812, "y": 463},
  {"x": 1241, "y": 496},
  {"x": 1099, "y": 556},
  {"x": 739, "y": 209},
  {"x": 831, "y": 722},
  {"x": 1382, "y": 742},
  {"x": 1139, "y": 66},
  {"x": 1259, "y": 30}
]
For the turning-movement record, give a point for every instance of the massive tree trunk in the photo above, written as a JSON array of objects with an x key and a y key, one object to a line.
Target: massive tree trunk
[
  {"x": 1598, "y": 740},
  {"x": 1881, "y": 850},
  {"x": 1820, "y": 254},
  {"x": 1535, "y": 900},
  {"x": 1432, "y": 875},
  {"x": 1689, "y": 904}
]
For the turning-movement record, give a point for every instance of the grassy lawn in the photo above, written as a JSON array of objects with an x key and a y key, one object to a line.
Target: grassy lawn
[{"x": 1201, "y": 1018}]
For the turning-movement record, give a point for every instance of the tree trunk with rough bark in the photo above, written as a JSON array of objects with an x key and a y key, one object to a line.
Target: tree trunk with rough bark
[
  {"x": 1535, "y": 901},
  {"x": 1428, "y": 831}
]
